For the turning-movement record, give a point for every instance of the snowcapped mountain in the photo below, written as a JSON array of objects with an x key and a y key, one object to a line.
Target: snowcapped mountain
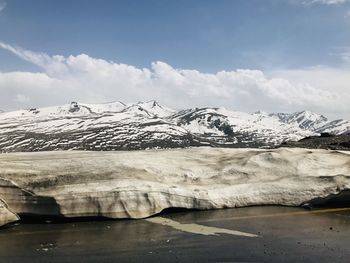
[
  {"x": 120, "y": 126},
  {"x": 335, "y": 127},
  {"x": 306, "y": 120},
  {"x": 154, "y": 108},
  {"x": 233, "y": 127}
]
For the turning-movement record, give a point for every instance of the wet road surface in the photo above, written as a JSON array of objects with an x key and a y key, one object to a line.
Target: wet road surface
[{"x": 254, "y": 234}]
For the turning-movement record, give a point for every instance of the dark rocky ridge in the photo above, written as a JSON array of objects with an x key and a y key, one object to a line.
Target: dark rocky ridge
[{"x": 324, "y": 141}]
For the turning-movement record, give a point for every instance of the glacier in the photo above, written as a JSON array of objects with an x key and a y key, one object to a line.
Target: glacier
[{"x": 139, "y": 184}]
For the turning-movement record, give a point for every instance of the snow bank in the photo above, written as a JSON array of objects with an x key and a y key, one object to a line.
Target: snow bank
[
  {"x": 6, "y": 216},
  {"x": 138, "y": 184}
]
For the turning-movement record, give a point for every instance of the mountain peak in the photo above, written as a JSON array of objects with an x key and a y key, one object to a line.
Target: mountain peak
[
  {"x": 155, "y": 108},
  {"x": 306, "y": 120},
  {"x": 150, "y": 103},
  {"x": 260, "y": 112},
  {"x": 155, "y": 104},
  {"x": 310, "y": 114},
  {"x": 115, "y": 125}
]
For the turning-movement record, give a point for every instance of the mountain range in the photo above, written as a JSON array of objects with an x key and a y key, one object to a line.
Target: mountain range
[{"x": 143, "y": 125}]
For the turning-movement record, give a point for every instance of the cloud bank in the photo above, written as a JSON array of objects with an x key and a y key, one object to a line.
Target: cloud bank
[{"x": 83, "y": 78}]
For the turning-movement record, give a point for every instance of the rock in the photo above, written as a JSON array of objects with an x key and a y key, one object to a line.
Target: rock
[
  {"x": 139, "y": 184},
  {"x": 74, "y": 107},
  {"x": 324, "y": 141}
]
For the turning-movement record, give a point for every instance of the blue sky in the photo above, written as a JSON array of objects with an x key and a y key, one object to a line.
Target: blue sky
[
  {"x": 297, "y": 40},
  {"x": 205, "y": 35}
]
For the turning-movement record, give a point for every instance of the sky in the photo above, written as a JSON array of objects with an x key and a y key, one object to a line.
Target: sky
[{"x": 245, "y": 55}]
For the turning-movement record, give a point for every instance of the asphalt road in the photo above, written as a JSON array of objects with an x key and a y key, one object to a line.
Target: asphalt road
[{"x": 255, "y": 234}]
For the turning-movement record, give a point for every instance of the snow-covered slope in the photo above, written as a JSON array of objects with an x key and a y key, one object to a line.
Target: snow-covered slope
[
  {"x": 305, "y": 119},
  {"x": 154, "y": 108},
  {"x": 234, "y": 127},
  {"x": 89, "y": 127},
  {"x": 137, "y": 184},
  {"x": 117, "y": 126},
  {"x": 335, "y": 127}
]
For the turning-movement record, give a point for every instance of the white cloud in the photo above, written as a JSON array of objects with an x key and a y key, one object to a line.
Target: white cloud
[
  {"x": 342, "y": 54},
  {"x": 21, "y": 98},
  {"x": 326, "y": 79},
  {"x": 346, "y": 56},
  {"x": 2, "y": 5},
  {"x": 40, "y": 59},
  {"x": 87, "y": 79},
  {"x": 324, "y": 2}
]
